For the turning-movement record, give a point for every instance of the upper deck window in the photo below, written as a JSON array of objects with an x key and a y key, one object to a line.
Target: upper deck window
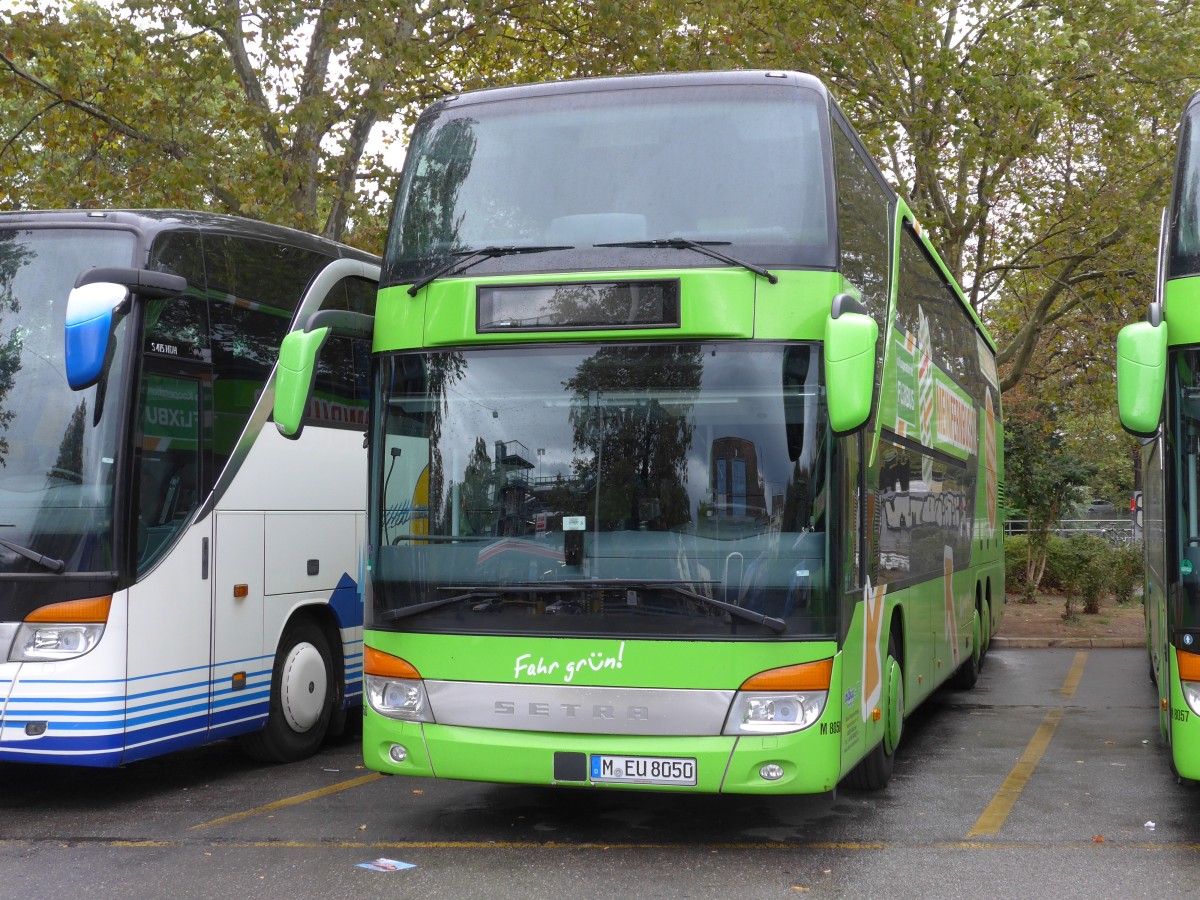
[
  {"x": 744, "y": 166},
  {"x": 1185, "y": 216}
]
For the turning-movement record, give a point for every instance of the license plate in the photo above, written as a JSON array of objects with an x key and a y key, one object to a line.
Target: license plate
[{"x": 643, "y": 769}]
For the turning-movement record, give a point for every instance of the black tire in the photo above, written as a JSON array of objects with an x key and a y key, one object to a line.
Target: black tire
[
  {"x": 967, "y": 674},
  {"x": 874, "y": 770},
  {"x": 985, "y": 634},
  {"x": 301, "y": 707}
]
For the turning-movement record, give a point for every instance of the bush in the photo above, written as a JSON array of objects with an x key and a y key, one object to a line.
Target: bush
[
  {"x": 1083, "y": 567},
  {"x": 1062, "y": 559},
  {"x": 1128, "y": 561},
  {"x": 1091, "y": 580},
  {"x": 1015, "y": 550}
]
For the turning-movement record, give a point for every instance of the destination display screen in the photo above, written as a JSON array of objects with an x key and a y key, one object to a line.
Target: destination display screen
[{"x": 546, "y": 307}]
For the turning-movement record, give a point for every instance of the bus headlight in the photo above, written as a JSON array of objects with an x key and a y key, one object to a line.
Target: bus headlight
[
  {"x": 61, "y": 630},
  {"x": 779, "y": 701},
  {"x": 774, "y": 713},
  {"x": 1187, "y": 664},
  {"x": 398, "y": 698},
  {"x": 49, "y": 642},
  {"x": 1191, "y": 693}
]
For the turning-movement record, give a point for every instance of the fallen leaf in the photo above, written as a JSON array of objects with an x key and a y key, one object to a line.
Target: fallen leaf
[{"x": 1098, "y": 839}]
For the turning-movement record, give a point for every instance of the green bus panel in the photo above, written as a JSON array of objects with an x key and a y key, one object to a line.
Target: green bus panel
[
  {"x": 723, "y": 763},
  {"x": 1182, "y": 305},
  {"x": 716, "y": 303},
  {"x": 594, "y": 662},
  {"x": 1181, "y": 725}
]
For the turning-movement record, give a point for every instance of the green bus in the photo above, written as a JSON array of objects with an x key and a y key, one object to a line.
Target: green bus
[
  {"x": 685, "y": 446},
  {"x": 1156, "y": 359}
]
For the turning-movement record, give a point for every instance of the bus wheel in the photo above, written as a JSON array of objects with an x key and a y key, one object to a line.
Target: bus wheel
[
  {"x": 968, "y": 671},
  {"x": 302, "y": 697},
  {"x": 985, "y": 633},
  {"x": 874, "y": 771}
]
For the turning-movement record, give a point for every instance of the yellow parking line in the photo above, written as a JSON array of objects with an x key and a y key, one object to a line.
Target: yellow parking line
[
  {"x": 1073, "y": 676},
  {"x": 994, "y": 817},
  {"x": 292, "y": 801}
]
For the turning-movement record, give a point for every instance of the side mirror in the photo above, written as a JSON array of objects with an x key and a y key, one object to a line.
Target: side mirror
[
  {"x": 294, "y": 378},
  {"x": 297, "y": 366},
  {"x": 90, "y": 310},
  {"x": 91, "y": 305},
  {"x": 1141, "y": 375},
  {"x": 850, "y": 338}
]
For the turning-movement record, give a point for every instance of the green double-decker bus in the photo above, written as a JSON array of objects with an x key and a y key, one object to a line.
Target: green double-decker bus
[
  {"x": 685, "y": 447},
  {"x": 1158, "y": 392}
]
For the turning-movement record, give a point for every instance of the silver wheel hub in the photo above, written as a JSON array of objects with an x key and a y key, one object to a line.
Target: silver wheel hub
[{"x": 304, "y": 685}]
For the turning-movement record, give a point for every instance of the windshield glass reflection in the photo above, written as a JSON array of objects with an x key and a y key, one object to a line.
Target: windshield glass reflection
[
  {"x": 611, "y": 489},
  {"x": 57, "y": 446}
]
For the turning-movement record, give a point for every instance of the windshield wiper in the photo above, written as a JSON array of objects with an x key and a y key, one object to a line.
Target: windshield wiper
[
  {"x": 464, "y": 261},
  {"x": 705, "y": 247},
  {"x": 47, "y": 562},
  {"x": 777, "y": 625},
  {"x": 578, "y": 586},
  {"x": 479, "y": 593}
]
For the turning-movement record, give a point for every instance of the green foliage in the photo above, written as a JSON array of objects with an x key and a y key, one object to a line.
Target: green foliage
[
  {"x": 1016, "y": 551},
  {"x": 1034, "y": 140},
  {"x": 1126, "y": 564},
  {"x": 1087, "y": 573},
  {"x": 1082, "y": 567},
  {"x": 1043, "y": 479}
]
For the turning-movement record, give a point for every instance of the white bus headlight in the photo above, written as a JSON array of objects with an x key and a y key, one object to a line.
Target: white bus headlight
[
  {"x": 780, "y": 701},
  {"x": 61, "y": 630},
  {"x": 774, "y": 713},
  {"x": 1191, "y": 693},
  {"x": 398, "y": 698},
  {"x": 50, "y": 641}
]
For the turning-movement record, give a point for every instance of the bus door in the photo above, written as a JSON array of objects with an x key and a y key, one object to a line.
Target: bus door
[
  {"x": 286, "y": 524},
  {"x": 169, "y": 619}
]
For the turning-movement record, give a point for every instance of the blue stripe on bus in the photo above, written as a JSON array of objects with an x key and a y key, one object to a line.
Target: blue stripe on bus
[
  {"x": 346, "y": 602},
  {"x": 152, "y": 721}
]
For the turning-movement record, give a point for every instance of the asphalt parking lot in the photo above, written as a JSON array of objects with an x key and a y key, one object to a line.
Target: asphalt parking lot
[{"x": 1048, "y": 778}]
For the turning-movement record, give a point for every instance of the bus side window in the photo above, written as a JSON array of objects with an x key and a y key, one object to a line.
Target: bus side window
[
  {"x": 341, "y": 390},
  {"x": 254, "y": 287},
  {"x": 864, "y": 225},
  {"x": 169, "y": 461},
  {"x": 178, "y": 328}
]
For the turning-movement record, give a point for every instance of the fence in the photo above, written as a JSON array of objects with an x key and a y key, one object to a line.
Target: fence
[{"x": 1118, "y": 531}]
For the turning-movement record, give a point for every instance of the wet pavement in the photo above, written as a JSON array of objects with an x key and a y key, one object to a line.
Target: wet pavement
[{"x": 1049, "y": 778}]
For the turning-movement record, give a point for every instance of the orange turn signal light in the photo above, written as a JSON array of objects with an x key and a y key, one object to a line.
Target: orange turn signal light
[
  {"x": 93, "y": 609},
  {"x": 813, "y": 676},
  {"x": 376, "y": 662},
  {"x": 1189, "y": 665}
]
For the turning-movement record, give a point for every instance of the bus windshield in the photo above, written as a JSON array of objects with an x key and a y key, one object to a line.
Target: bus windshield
[
  {"x": 740, "y": 168},
  {"x": 611, "y": 489},
  {"x": 57, "y": 446}
]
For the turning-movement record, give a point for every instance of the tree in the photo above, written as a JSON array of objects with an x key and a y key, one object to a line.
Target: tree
[
  {"x": 1041, "y": 478},
  {"x": 262, "y": 108},
  {"x": 1033, "y": 138}
]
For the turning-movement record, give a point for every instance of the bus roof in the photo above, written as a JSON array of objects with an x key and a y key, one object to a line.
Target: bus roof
[
  {"x": 149, "y": 222},
  {"x": 632, "y": 82}
]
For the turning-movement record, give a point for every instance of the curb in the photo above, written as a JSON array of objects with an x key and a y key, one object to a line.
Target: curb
[{"x": 1023, "y": 643}]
